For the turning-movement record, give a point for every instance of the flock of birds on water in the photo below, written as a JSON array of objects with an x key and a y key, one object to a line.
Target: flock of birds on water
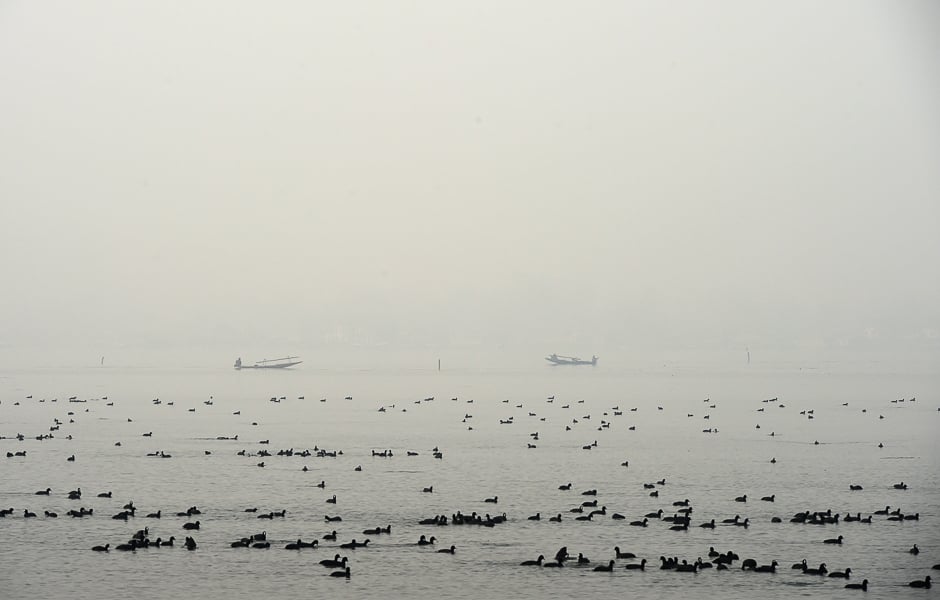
[{"x": 584, "y": 509}]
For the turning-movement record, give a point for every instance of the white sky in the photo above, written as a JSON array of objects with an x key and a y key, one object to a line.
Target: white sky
[{"x": 594, "y": 174}]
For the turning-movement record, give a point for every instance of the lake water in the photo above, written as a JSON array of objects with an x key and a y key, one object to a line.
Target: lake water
[{"x": 481, "y": 457}]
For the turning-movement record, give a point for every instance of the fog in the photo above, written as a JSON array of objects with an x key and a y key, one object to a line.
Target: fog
[{"x": 211, "y": 179}]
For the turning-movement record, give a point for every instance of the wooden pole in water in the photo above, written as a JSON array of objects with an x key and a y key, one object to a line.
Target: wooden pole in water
[{"x": 438, "y": 364}]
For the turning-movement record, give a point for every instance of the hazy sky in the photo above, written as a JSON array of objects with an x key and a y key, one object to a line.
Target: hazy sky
[{"x": 574, "y": 174}]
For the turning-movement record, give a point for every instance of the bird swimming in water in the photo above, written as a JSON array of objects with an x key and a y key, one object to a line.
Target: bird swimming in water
[
  {"x": 619, "y": 554},
  {"x": 858, "y": 586},
  {"x": 335, "y": 562},
  {"x": 841, "y": 574}
]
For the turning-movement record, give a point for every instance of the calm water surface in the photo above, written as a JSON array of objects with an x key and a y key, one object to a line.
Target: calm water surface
[{"x": 482, "y": 458}]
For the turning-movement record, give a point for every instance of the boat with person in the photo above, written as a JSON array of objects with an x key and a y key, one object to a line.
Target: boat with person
[
  {"x": 269, "y": 363},
  {"x": 558, "y": 359}
]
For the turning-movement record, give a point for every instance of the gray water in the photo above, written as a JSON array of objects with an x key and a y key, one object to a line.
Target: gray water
[{"x": 481, "y": 458}]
